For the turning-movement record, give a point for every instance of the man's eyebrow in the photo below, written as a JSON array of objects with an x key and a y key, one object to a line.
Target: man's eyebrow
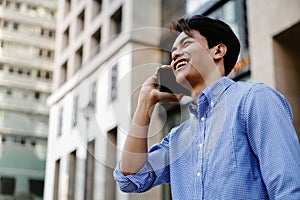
[{"x": 180, "y": 42}]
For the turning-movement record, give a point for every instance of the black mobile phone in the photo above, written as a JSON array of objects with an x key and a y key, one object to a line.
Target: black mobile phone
[{"x": 167, "y": 82}]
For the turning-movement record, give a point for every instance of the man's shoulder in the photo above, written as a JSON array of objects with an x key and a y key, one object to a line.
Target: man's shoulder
[
  {"x": 262, "y": 94},
  {"x": 252, "y": 88},
  {"x": 247, "y": 87}
]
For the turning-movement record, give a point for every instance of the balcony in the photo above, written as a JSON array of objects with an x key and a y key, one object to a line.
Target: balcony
[
  {"x": 36, "y": 62},
  {"x": 27, "y": 39},
  {"x": 27, "y": 19}
]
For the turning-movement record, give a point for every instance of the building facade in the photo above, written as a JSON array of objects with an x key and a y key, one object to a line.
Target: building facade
[
  {"x": 274, "y": 28},
  {"x": 27, "y": 35},
  {"x": 105, "y": 49}
]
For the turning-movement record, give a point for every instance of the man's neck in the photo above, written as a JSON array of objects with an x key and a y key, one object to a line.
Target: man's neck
[{"x": 197, "y": 89}]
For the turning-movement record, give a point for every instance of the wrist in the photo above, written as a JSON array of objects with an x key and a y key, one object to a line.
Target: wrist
[{"x": 142, "y": 115}]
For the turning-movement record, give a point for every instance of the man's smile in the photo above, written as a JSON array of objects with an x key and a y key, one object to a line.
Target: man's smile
[{"x": 180, "y": 63}]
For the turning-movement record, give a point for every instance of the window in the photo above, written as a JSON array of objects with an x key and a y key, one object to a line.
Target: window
[
  {"x": 38, "y": 73},
  {"x": 8, "y": 91},
  {"x": 51, "y": 33},
  {"x": 23, "y": 141},
  {"x": 8, "y": 3},
  {"x": 37, "y": 95},
  {"x": 97, "y": 7},
  {"x": 56, "y": 179},
  {"x": 40, "y": 52},
  {"x": 72, "y": 175},
  {"x": 48, "y": 75},
  {"x": 286, "y": 63},
  {"x": 7, "y": 185},
  {"x": 45, "y": 53},
  {"x": 28, "y": 72},
  {"x": 234, "y": 14},
  {"x": 114, "y": 79},
  {"x": 11, "y": 69},
  {"x": 36, "y": 187},
  {"x": 3, "y": 138},
  {"x": 49, "y": 54},
  {"x": 32, "y": 8},
  {"x": 96, "y": 40},
  {"x": 52, "y": 13},
  {"x": 20, "y": 71},
  {"x": 78, "y": 58},
  {"x": 116, "y": 22},
  {"x": 5, "y": 24},
  {"x": 64, "y": 73},
  {"x": 67, "y": 6},
  {"x": 89, "y": 171},
  {"x": 66, "y": 38},
  {"x": 15, "y": 26},
  {"x": 80, "y": 22},
  {"x": 18, "y": 5},
  {"x": 111, "y": 149},
  {"x": 46, "y": 32}
]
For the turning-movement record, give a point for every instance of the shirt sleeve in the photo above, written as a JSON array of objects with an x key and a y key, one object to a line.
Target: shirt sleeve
[
  {"x": 154, "y": 172},
  {"x": 273, "y": 139},
  {"x": 139, "y": 182}
]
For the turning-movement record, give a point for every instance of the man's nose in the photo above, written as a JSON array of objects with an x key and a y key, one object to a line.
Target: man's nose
[{"x": 177, "y": 53}]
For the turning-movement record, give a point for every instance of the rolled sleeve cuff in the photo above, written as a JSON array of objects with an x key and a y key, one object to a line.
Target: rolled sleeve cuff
[{"x": 138, "y": 182}]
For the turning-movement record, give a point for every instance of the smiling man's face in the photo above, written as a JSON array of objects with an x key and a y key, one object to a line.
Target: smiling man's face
[{"x": 192, "y": 60}]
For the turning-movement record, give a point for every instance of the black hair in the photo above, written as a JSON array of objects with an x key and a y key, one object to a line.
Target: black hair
[{"x": 216, "y": 32}]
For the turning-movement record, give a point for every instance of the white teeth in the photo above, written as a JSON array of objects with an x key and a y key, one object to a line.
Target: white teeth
[{"x": 180, "y": 64}]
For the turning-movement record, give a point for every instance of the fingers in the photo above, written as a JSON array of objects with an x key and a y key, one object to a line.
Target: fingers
[
  {"x": 179, "y": 96},
  {"x": 151, "y": 91},
  {"x": 166, "y": 97},
  {"x": 162, "y": 66},
  {"x": 152, "y": 80}
]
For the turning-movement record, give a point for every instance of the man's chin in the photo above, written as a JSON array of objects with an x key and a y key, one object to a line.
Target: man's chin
[{"x": 181, "y": 79}]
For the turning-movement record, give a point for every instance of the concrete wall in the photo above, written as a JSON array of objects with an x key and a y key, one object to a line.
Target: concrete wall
[{"x": 273, "y": 40}]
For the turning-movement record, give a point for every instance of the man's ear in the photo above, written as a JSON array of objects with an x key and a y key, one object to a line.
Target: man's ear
[{"x": 219, "y": 51}]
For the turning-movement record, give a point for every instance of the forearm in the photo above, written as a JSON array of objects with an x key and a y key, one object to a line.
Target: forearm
[{"x": 134, "y": 153}]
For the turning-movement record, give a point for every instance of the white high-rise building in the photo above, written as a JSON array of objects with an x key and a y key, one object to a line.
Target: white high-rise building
[
  {"x": 27, "y": 36},
  {"x": 104, "y": 52}
]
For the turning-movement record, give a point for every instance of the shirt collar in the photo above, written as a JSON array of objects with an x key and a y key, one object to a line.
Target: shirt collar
[
  {"x": 215, "y": 90},
  {"x": 210, "y": 96}
]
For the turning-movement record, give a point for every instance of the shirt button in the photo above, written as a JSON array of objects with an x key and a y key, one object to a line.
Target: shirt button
[
  {"x": 198, "y": 174},
  {"x": 212, "y": 103},
  {"x": 202, "y": 118},
  {"x": 200, "y": 145}
]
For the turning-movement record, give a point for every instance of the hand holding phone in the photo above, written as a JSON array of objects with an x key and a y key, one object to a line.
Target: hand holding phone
[{"x": 167, "y": 82}]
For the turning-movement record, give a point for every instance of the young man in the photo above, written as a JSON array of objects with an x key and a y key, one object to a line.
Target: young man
[{"x": 239, "y": 142}]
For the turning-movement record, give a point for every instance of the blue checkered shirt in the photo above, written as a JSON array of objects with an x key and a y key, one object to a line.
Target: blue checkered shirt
[{"x": 239, "y": 143}]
